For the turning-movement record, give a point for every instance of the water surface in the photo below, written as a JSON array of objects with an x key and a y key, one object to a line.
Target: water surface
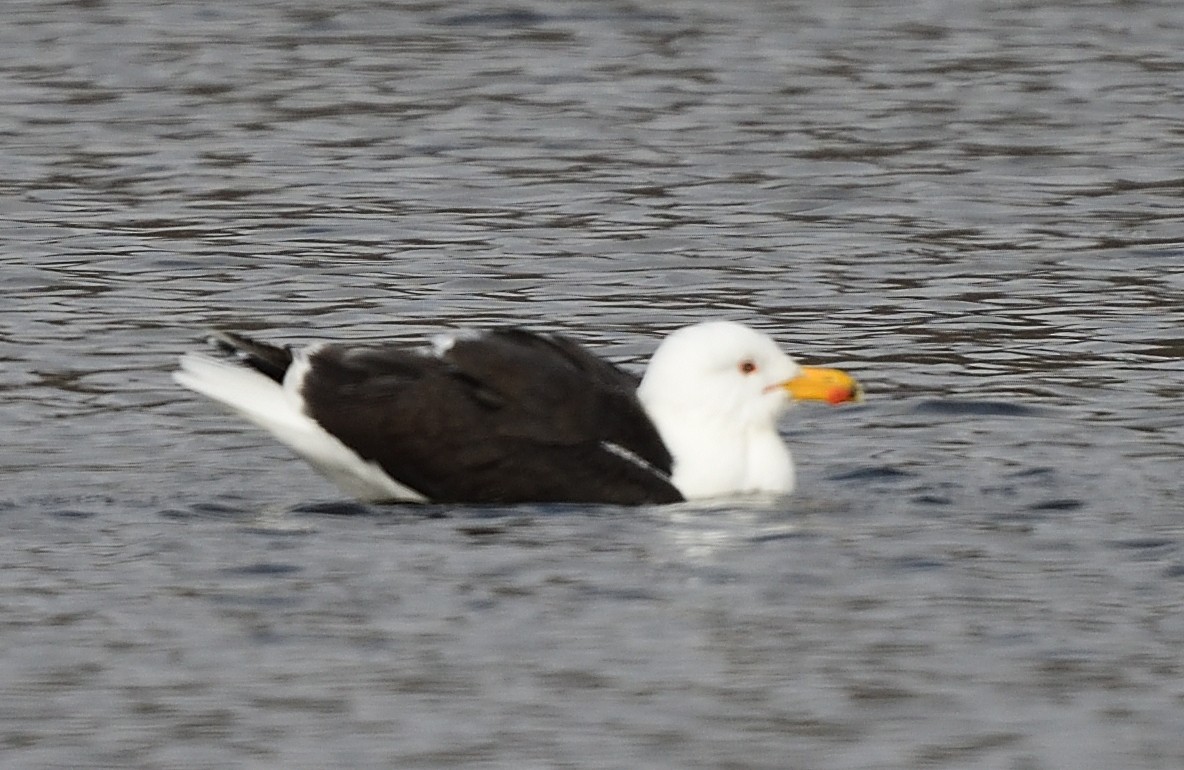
[{"x": 975, "y": 207}]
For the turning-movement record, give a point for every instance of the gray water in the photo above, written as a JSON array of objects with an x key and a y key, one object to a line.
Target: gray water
[{"x": 976, "y": 207}]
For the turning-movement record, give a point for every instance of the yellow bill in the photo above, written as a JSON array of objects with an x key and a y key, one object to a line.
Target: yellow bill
[{"x": 817, "y": 384}]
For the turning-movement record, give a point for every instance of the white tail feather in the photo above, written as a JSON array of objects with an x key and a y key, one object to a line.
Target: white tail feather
[
  {"x": 279, "y": 409},
  {"x": 252, "y": 394}
]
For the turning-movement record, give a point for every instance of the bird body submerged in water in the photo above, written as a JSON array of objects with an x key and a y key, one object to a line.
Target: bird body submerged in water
[{"x": 509, "y": 415}]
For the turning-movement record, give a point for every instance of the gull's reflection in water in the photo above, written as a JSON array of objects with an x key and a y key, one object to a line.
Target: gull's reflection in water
[{"x": 701, "y": 531}]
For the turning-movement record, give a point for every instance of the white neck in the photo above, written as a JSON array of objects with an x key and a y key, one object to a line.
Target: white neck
[{"x": 716, "y": 460}]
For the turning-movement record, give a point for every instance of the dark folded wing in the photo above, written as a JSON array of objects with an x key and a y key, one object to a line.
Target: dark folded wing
[{"x": 504, "y": 416}]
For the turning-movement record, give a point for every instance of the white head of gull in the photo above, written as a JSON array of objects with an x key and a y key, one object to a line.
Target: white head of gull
[{"x": 715, "y": 391}]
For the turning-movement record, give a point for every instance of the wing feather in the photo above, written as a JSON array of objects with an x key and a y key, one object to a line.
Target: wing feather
[{"x": 505, "y": 416}]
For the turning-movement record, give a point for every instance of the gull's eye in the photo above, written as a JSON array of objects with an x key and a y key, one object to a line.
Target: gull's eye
[{"x": 747, "y": 367}]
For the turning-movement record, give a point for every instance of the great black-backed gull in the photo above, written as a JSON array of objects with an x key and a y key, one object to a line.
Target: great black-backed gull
[{"x": 509, "y": 415}]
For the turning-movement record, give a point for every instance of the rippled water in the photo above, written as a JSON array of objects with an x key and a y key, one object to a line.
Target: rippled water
[{"x": 974, "y": 206}]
